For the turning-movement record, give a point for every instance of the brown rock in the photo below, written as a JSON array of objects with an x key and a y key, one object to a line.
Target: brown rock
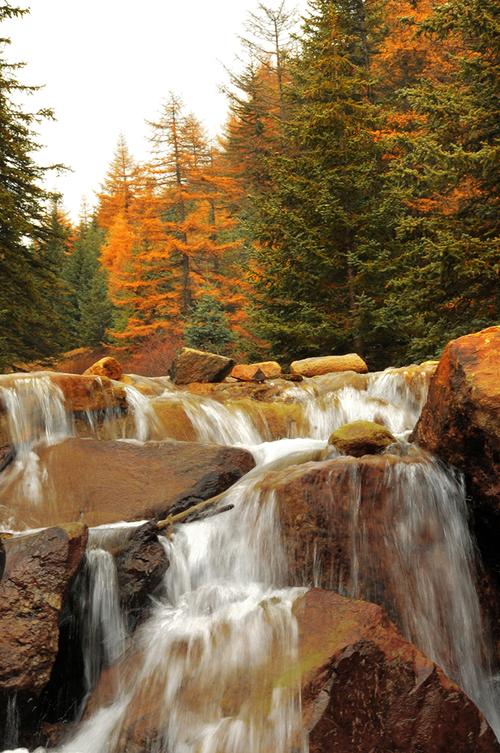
[
  {"x": 38, "y": 571},
  {"x": 461, "y": 419},
  {"x": 198, "y": 366},
  {"x": 172, "y": 421},
  {"x": 107, "y": 367},
  {"x": 361, "y": 438},
  {"x": 247, "y": 372},
  {"x": 140, "y": 565},
  {"x": 364, "y": 688},
  {"x": 101, "y": 481},
  {"x": 310, "y": 367}
]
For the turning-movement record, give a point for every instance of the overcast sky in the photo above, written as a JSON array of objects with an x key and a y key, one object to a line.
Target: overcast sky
[{"x": 106, "y": 66}]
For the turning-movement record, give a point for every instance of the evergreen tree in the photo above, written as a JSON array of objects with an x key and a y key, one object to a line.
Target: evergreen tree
[
  {"x": 445, "y": 281},
  {"x": 207, "y": 327},
  {"x": 326, "y": 221},
  {"x": 30, "y": 324},
  {"x": 91, "y": 311}
]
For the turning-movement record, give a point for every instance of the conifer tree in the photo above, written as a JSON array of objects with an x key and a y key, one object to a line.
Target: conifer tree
[
  {"x": 326, "y": 221},
  {"x": 30, "y": 325},
  {"x": 207, "y": 327}
]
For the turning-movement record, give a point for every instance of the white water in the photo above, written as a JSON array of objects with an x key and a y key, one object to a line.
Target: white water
[{"x": 203, "y": 658}]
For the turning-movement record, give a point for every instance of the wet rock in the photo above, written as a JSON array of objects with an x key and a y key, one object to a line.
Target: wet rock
[
  {"x": 82, "y": 392},
  {"x": 199, "y": 366},
  {"x": 39, "y": 569},
  {"x": 365, "y": 688},
  {"x": 140, "y": 565},
  {"x": 250, "y": 372},
  {"x": 361, "y": 438},
  {"x": 273, "y": 420},
  {"x": 460, "y": 421},
  {"x": 106, "y": 367},
  {"x": 172, "y": 421},
  {"x": 310, "y": 367},
  {"x": 7, "y": 455},
  {"x": 101, "y": 481}
]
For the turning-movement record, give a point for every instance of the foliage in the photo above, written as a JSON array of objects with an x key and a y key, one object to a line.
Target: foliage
[{"x": 207, "y": 326}]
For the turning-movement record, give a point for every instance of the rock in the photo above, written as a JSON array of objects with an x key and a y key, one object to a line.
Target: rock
[
  {"x": 107, "y": 367},
  {"x": 365, "y": 688},
  {"x": 104, "y": 481},
  {"x": 273, "y": 420},
  {"x": 310, "y": 367},
  {"x": 198, "y": 366},
  {"x": 38, "y": 572},
  {"x": 461, "y": 419},
  {"x": 7, "y": 455},
  {"x": 248, "y": 372},
  {"x": 460, "y": 423},
  {"x": 140, "y": 565},
  {"x": 172, "y": 421},
  {"x": 361, "y": 438},
  {"x": 82, "y": 392}
]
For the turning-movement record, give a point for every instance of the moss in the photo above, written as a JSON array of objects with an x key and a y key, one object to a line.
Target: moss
[{"x": 361, "y": 438}]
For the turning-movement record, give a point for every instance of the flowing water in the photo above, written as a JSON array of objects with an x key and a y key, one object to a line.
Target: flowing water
[{"x": 204, "y": 673}]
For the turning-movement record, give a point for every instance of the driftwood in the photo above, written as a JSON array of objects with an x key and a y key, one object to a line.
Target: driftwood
[{"x": 194, "y": 513}]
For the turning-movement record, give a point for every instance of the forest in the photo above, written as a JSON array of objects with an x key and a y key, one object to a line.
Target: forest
[{"x": 348, "y": 205}]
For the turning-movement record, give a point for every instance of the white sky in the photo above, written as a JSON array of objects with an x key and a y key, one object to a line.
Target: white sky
[{"x": 106, "y": 66}]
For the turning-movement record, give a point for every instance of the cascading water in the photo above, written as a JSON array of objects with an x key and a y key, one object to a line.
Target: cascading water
[{"x": 203, "y": 669}]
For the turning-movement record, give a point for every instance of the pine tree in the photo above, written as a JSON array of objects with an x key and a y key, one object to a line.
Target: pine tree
[
  {"x": 445, "y": 281},
  {"x": 207, "y": 327},
  {"x": 326, "y": 221},
  {"x": 30, "y": 325}
]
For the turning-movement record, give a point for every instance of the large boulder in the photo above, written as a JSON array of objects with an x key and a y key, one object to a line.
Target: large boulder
[
  {"x": 310, "y": 367},
  {"x": 39, "y": 569},
  {"x": 365, "y": 688},
  {"x": 192, "y": 365},
  {"x": 106, "y": 367},
  {"x": 461, "y": 419},
  {"x": 101, "y": 481},
  {"x": 251, "y": 372},
  {"x": 361, "y": 438}
]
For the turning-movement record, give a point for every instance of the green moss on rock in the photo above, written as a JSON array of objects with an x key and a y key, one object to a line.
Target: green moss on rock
[{"x": 361, "y": 438}]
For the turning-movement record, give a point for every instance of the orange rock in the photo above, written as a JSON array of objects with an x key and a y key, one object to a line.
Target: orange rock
[
  {"x": 367, "y": 689},
  {"x": 107, "y": 367},
  {"x": 101, "y": 481},
  {"x": 247, "y": 372},
  {"x": 310, "y": 367},
  {"x": 461, "y": 419}
]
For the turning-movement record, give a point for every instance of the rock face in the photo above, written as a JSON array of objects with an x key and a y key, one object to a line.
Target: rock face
[
  {"x": 100, "y": 481},
  {"x": 140, "y": 565},
  {"x": 250, "y": 372},
  {"x": 460, "y": 421},
  {"x": 310, "y": 367},
  {"x": 198, "y": 366},
  {"x": 107, "y": 367},
  {"x": 366, "y": 689},
  {"x": 361, "y": 438},
  {"x": 38, "y": 571}
]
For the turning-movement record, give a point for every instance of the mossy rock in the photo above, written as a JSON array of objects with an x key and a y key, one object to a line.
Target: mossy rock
[{"x": 361, "y": 438}]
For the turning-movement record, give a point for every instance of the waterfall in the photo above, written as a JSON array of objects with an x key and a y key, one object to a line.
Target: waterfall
[
  {"x": 102, "y": 624},
  {"x": 224, "y": 617},
  {"x": 201, "y": 673}
]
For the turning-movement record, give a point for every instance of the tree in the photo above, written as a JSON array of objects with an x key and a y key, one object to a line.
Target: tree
[
  {"x": 207, "y": 326},
  {"x": 118, "y": 190},
  {"x": 444, "y": 282},
  {"x": 326, "y": 220},
  {"x": 30, "y": 325},
  {"x": 90, "y": 309}
]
